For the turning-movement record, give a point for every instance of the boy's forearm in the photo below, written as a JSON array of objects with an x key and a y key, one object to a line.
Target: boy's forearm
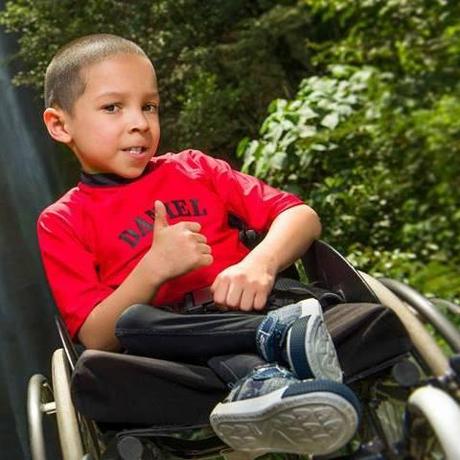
[
  {"x": 98, "y": 330},
  {"x": 289, "y": 236}
]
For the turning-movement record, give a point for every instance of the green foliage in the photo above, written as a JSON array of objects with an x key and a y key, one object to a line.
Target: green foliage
[
  {"x": 219, "y": 63},
  {"x": 299, "y": 138},
  {"x": 373, "y": 141}
]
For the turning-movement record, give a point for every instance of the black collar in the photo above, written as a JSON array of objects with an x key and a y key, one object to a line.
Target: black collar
[{"x": 109, "y": 179}]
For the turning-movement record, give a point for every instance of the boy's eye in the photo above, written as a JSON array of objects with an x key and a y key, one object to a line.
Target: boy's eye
[
  {"x": 151, "y": 107},
  {"x": 111, "y": 108}
]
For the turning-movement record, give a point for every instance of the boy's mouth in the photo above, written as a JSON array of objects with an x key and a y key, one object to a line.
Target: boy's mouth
[{"x": 135, "y": 150}]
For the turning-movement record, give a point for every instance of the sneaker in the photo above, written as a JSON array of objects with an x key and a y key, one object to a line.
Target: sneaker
[
  {"x": 272, "y": 411},
  {"x": 296, "y": 336}
]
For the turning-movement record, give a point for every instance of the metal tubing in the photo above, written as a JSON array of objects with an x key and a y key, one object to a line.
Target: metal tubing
[
  {"x": 35, "y": 417},
  {"x": 443, "y": 414},
  {"x": 427, "y": 310},
  {"x": 424, "y": 343},
  {"x": 443, "y": 303},
  {"x": 68, "y": 429}
]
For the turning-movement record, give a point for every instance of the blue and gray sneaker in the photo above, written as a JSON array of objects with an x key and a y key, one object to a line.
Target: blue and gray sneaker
[
  {"x": 272, "y": 411},
  {"x": 296, "y": 336}
]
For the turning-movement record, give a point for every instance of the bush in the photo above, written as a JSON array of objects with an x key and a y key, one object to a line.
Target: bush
[{"x": 379, "y": 169}]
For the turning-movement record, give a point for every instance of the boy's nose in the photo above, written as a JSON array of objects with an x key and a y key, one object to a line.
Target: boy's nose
[{"x": 138, "y": 122}]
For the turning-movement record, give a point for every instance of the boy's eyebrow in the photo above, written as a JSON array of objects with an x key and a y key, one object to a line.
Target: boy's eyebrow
[{"x": 116, "y": 94}]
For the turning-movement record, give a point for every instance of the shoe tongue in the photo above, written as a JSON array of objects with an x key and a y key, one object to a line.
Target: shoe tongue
[{"x": 269, "y": 372}]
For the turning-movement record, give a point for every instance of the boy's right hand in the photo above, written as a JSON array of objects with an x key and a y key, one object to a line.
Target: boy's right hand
[{"x": 176, "y": 249}]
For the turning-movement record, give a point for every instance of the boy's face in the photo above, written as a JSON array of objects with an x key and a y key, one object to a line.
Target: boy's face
[{"x": 114, "y": 127}]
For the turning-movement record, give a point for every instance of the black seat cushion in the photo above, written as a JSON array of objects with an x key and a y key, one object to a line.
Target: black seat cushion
[
  {"x": 366, "y": 335},
  {"x": 118, "y": 388}
]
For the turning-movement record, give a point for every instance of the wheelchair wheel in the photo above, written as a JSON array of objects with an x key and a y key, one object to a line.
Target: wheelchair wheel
[
  {"x": 67, "y": 420},
  {"x": 428, "y": 417},
  {"x": 434, "y": 418}
]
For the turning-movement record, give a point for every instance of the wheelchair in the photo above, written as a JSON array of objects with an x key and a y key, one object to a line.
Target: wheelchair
[{"x": 409, "y": 387}]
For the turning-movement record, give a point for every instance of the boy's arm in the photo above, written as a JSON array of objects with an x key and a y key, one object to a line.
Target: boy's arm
[
  {"x": 246, "y": 285},
  {"x": 177, "y": 249}
]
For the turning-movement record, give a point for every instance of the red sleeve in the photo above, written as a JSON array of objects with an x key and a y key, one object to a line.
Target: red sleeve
[
  {"x": 70, "y": 269},
  {"x": 249, "y": 198}
]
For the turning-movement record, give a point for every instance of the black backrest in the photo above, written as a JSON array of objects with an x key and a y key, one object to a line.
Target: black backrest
[{"x": 327, "y": 268}]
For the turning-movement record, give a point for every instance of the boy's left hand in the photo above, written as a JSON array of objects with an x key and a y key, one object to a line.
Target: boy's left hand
[{"x": 243, "y": 286}]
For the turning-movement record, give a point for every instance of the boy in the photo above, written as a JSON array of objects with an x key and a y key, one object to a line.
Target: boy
[{"x": 96, "y": 241}]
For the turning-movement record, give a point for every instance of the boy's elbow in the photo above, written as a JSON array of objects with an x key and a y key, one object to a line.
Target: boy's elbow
[
  {"x": 314, "y": 222},
  {"x": 317, "y": 225},
  {"x": 93, "y": 341}
]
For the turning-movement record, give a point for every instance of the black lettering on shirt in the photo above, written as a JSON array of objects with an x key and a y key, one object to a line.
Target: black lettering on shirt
[
  {"x": 143, "y": 226},
  {"x": 196, "y": 209},
  {"x": 174, "y": 209},
  {"x": 181, "y": 206},
  {"x": 130, "y": 237},
  {"x": 170, "y": 213},
  {"x": 151, "y": 214}
]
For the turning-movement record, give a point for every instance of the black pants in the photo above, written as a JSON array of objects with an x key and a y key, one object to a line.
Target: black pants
[
  {"x": 223, "y": 341},
  {"x": 193, "y": 338}
]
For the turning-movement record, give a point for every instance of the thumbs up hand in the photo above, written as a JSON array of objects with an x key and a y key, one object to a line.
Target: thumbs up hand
[
  {"x": 176, "y": 249},
  {"x": 160, "y": 216}
]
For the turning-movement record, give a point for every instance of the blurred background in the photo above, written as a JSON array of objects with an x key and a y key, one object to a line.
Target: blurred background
[
  {"x": 27, "y": 183},
  {"x": 355, "y": 106}
]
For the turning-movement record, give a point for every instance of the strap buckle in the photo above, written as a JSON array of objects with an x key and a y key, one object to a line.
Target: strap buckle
[{"x": 197, "y": 301}]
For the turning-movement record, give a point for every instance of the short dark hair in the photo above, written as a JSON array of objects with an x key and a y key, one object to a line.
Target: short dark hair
[{"x": 64, "y": 81}]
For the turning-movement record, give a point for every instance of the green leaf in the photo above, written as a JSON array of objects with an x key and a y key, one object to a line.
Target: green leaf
[{"x": 331, "y": 120}]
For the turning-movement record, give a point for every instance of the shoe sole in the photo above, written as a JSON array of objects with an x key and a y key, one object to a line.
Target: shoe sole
[
  {"x": 310, "y": 350},
  {"x": 315, "y": 423}
]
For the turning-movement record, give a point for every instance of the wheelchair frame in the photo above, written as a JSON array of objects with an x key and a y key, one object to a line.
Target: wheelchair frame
[{"x": 411, "y": 406}]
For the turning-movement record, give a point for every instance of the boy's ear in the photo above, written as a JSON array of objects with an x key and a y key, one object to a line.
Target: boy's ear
[{"x": 56, "y": 123}]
